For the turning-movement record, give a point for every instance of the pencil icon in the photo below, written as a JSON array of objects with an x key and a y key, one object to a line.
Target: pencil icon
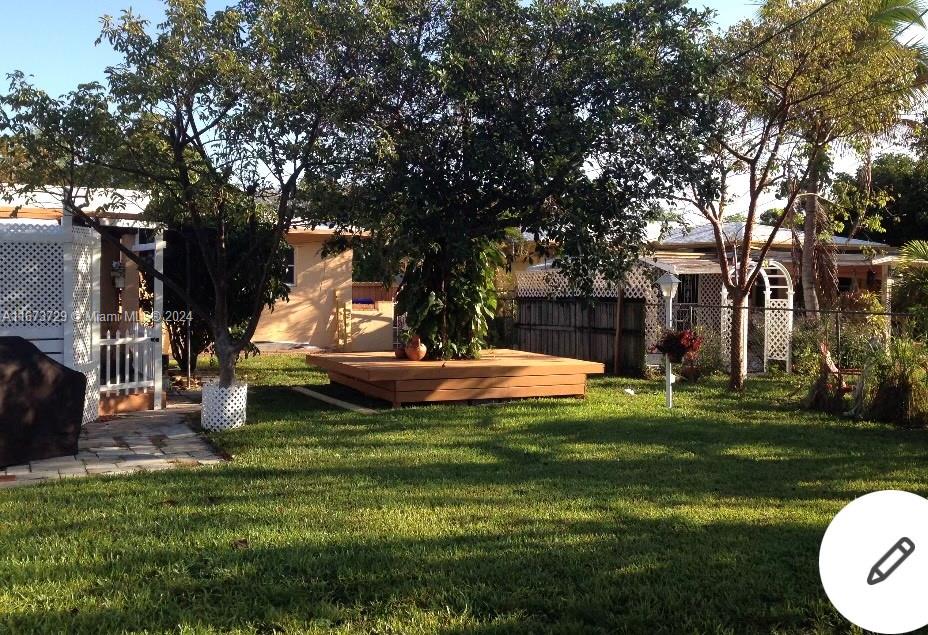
[{"x": 890, "y": 561}]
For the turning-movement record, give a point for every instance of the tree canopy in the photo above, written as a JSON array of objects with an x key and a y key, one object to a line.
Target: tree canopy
[
  {"x": 225, "y": 117},
  {"x": 904, "y": 179},
  {"x": 567, "y": 121}
]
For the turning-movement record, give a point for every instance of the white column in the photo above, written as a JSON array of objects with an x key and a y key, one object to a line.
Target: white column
[
  {"x": 886, "y": 289},
  {"x": 668, "y": 370},
  {"x": 790, "y": 323},
  {"x": 744, "y": 336},
  {"x": 158, "y": 310},
  {"x": 768, "y": 317},
  {"x": 93, "y": 320},
  {"x": 67, "y": 289}
]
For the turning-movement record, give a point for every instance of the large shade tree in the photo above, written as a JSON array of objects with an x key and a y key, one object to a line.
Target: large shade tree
[
  {"x": 225, "y": 117},
  {"x": 565, "y": 120}
]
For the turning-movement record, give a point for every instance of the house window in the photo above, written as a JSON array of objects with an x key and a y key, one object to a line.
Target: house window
[
  {"x": 290, "y": 275},
  {"x": 845, "y": 285},
  {"x": 688, "y": 291}
]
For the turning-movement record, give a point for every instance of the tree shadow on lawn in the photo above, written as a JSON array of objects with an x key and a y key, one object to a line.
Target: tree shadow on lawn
[
  {"x": 619, "y": 572},
  {"x": 458, "y": 519},
  {"x": 780, "y": 452},
  {"x": 581, "y": 546}
]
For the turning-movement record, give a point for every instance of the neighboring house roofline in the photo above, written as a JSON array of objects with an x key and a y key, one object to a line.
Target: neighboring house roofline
[{"x": 703, "y": 237}]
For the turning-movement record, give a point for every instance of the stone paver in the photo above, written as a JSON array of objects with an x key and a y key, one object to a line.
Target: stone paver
[{"x": 131, "y": 443}]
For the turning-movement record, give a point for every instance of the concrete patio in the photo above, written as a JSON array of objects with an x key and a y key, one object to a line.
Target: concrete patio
[{"x": 138, "y": 442}]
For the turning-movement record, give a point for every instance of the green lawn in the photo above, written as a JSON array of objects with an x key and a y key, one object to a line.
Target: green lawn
[{"x": 606, "y": 515}]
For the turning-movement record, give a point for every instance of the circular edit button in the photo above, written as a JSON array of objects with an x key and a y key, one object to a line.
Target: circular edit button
[{"x": 874, "y": 562}]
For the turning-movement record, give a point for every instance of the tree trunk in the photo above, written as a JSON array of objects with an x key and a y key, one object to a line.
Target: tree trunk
[
  {"x": 736, "y": 372},
  {"x": 809, "y": 242},
  {"x": 226, "y": 354},
  {"x": 810, "y": 234}
]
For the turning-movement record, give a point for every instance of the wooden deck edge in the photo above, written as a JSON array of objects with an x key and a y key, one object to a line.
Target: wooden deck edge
[
  {"x": 388, "y": 369},
  {"x": 456, "y": 383},
  {"x": 510, "y": 392},
  {"x": 384, "y": 374},
  {"x": 363, "y": 387}
]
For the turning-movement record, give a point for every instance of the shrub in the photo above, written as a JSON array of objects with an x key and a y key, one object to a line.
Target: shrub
[
  {"x": 900, "y": 393},
  {"x": 677, "y": 344},
  {"x": 910, "y": 292},
  {"x": 807, "y": 335},
  {"x": 709, "y": 357},
  {"x": 861, "y": 334}
]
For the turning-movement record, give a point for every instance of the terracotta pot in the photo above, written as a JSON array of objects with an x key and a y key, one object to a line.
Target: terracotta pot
[
  {"x": 415, "y": 349},
  {"x": 400, "y": 351}
]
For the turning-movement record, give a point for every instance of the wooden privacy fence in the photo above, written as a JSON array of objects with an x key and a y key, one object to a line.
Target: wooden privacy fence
[{"x": 568, "y": 327}]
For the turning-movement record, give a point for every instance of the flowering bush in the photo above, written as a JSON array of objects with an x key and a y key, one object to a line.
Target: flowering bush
[{"x": 676, "y": 344}]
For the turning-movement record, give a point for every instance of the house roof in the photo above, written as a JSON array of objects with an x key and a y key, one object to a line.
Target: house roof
[
  {"x": 703, "y": 236},
  {"x": 117, "y": 207},
  {"x": 121, "y": 200},
  {"x": 685, "y": 266}
]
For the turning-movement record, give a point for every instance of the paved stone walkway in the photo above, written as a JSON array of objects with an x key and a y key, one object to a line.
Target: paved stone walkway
[{"x": 137, "y": 442}]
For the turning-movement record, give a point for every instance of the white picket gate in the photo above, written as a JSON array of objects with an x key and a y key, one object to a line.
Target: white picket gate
[{"x": 130, "y": 361}]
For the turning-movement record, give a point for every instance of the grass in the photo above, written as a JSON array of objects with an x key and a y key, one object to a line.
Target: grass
[{"x": 606, "y": 515}]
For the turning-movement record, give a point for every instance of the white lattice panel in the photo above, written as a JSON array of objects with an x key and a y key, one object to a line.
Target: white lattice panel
[
  {"x": 84, "y": 249},
  {"x": 710, "y": 296},
  {"x": 779, "y": 325},
  {"x": 640, "y": 283},
  {"x": 30, "y": 283},
  {"x": 725, "y": 328},
  {"x": 544, "y": 284},
  {"x": 34, "y": 259},
  {"x": 49, "y": 229}
]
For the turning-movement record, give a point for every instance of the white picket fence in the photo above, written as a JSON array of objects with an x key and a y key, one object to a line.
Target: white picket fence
[{"x": 130, "y": 361}]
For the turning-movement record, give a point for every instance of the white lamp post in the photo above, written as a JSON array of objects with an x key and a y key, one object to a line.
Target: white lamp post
[{"x": 668, "y": 284}]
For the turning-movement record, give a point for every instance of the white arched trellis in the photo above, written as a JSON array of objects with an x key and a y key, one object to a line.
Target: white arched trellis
[{"x": 778, "y": 322}]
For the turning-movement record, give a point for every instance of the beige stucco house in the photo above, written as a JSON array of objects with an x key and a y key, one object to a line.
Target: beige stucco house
[{"x": 320, "y": 311}]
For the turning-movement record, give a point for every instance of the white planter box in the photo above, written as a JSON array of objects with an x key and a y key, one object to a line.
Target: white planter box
[{"x": 224, "y": 407}]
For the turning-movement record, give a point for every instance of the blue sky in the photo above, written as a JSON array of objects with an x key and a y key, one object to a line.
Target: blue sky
[{"x": 53, "y": 40}]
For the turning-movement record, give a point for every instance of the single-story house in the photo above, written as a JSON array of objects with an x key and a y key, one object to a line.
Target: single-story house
[
  {"x": 321, "y": 312},
  {"x": 702, "y": 298}
]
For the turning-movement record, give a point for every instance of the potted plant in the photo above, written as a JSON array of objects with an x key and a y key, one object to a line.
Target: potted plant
[
  {"x": 416, "y": 350},
  {"x": 676, "y": 344},
  {"x": 224, "y": 407}
]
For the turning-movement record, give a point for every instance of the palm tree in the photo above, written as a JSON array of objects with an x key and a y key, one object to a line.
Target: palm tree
[
  {"x": 910, "y": 293},
  {"x": 889, "y": 22}
]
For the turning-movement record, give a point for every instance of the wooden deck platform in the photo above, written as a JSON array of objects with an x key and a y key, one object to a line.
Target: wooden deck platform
[{"x": 498, "y": 374}]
